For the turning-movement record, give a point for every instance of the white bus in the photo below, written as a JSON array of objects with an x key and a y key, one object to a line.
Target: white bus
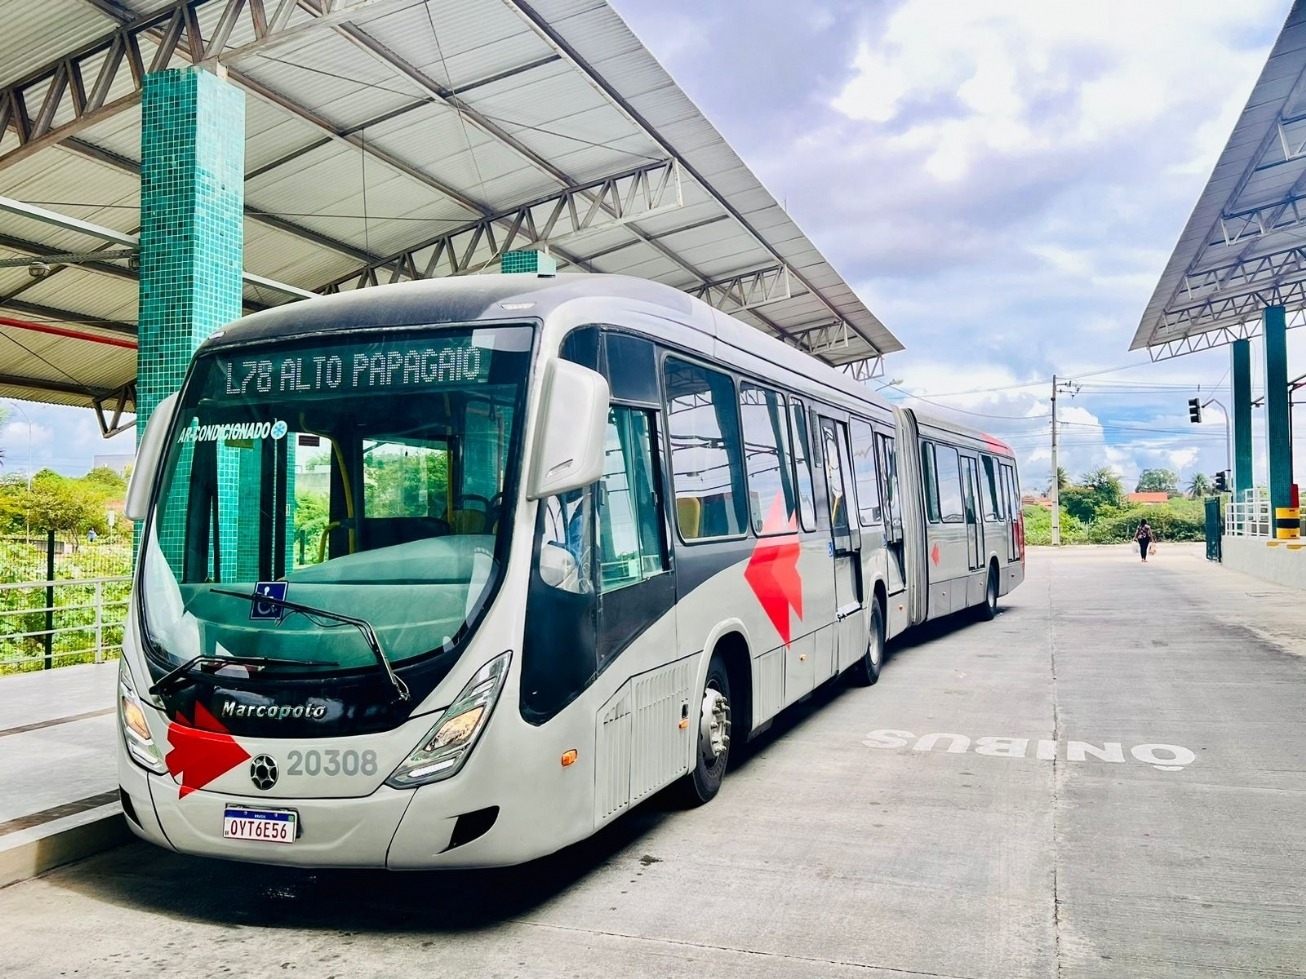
[{"x": 453, "y": 573}]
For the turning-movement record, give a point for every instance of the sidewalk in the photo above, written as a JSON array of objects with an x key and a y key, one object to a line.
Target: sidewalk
[{"x": 58, "y": 775}]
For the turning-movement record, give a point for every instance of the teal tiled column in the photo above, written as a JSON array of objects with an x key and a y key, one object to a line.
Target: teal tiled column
[
  {"x": 1241, "y": 371},
  {"x": 1277, "y": 422},
  {"x": 192, "y": 243}
]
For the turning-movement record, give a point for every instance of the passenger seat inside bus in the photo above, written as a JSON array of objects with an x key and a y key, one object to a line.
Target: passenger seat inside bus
[
  {"x": 381, "y": 532},
  {"x": 688, "y": 514},
  {"x": 467, "y": 521}
]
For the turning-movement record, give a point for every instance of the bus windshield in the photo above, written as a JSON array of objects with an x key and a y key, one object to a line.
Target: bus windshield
[{"x": 360, "y": 473}]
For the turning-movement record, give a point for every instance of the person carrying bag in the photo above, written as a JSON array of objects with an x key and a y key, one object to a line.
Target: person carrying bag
[{"x": 1146, "y": 540}]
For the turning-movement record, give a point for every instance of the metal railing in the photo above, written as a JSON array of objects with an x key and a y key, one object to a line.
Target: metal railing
[
  {"x": 85, "y": 627},
  {"x": 1249, "y": 515}
]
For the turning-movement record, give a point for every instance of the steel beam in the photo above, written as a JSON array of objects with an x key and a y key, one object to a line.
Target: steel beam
[
  {"x": 450, "y": 98},
  {"x": 130, "y": 241},
  {"x": 67, "y": 316},
  {"x": 67, "y": 223},
  {"x": 747, "y": 290},
  {"x": 550, "y": 35},
  {"x": 1208, "y": 340},
  {"x": 116, "y": 403},
  {"x": 56, "y": 387},
  {"x": 174, "y": 32},
  {"x": 548, "y": 220}
]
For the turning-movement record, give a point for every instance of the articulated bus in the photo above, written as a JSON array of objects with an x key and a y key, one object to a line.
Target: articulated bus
[{"x": 453, "y": 573}]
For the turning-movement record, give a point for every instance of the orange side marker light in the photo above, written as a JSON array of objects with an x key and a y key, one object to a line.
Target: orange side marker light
[{"x": 569, "y": 757}]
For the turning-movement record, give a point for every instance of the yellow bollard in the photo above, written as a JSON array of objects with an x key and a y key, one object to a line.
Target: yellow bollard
[{"x": 1287, "y": 522}]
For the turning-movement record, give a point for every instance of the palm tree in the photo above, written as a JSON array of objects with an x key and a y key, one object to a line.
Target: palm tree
[
  {"x": 1199, "y": 486},
  {"x": 1063, "y": 479}
]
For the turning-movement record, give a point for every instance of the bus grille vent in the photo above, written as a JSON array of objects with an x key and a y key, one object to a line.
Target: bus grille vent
[
  {"x": 612, "y": 793},
  {"x": 659, "y": 742}
]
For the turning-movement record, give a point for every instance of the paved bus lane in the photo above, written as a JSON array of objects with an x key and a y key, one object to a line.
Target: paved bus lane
[{"x": 1106, "y": 781}]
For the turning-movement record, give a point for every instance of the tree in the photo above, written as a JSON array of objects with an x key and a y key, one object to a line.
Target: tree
[
  {"x": 107, "y": 482},
  {"x": 64, "y": 506},
  {"x": 1063, "y": 479},
  {"x": 1200, "y": 485},
  {"x": 1106, "y": 486},
  {"x": 1158, "y": 481}
]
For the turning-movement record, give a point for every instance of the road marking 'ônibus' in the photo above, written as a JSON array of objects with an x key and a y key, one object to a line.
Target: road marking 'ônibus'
[{"x": 1162, "y": 757}]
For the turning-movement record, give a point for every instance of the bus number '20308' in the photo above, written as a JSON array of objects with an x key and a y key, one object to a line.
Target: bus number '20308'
[{"x": 332, "y": 762}]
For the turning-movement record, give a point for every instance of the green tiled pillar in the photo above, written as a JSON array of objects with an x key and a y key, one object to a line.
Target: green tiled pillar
[
  {"x": 1278, "y": 423},
  {"x": 1241, "y": 370},
  {"x": 192, "y": 242}
]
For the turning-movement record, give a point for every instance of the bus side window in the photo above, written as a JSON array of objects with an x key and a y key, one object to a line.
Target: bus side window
[
  {"x": 803, "y": 465},
  {"x": 1013, "y": 490},
  {"x": 947, "y": 470},
  {"x": 884, "y": 446},
  {"x": 706, "y": 456},
  {"x": 868, "y": 480},
  {"x": 929, "y": 482},
  {"x": 993, "y": 500},
  {"x": 629, "y": 523},
  {"x": 766, "y": 451}
]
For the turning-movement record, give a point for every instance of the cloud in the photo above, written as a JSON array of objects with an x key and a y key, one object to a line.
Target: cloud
[{"x": 1002, "y": 184}]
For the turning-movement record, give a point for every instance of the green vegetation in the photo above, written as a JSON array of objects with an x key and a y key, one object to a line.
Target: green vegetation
[
  {"x": 72, "y": 508},
  {"x": 1094, "y": 511},
  {"x": 1158, "y": 481}
]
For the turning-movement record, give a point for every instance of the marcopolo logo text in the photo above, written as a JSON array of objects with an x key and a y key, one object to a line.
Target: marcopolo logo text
[{"x": 274, "y": 712}]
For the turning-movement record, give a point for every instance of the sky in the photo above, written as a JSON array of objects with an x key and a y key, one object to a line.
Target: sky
[{"x": 1000, "y": 182}]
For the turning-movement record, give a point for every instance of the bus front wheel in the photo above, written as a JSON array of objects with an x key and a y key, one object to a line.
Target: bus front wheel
[{"x": 703, "y": 781}]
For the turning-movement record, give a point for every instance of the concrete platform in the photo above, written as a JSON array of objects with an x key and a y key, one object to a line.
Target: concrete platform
[
  {"x": 57, "y": 768},
  {"x": 1108, "y": 781}
]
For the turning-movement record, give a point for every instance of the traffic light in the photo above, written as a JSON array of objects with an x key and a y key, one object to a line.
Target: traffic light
[
  {"x": 1221, "y": 482},
  {"x": 1195, "y": 411}
]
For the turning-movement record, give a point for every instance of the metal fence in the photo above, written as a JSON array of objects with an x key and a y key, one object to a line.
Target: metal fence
[
  {"x": 1249, "y": 515},
  {"x": 51, "y": 623}
]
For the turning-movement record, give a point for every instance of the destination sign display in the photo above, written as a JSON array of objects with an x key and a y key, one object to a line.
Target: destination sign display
[{"x": 399, "y": 365}]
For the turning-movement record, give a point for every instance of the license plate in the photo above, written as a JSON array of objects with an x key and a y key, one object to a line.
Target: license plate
[{"x": 259, "y": 825}]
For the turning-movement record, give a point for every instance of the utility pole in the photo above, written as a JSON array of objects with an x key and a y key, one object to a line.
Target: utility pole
[
  {"x": 1071, "y": 388},
  {"x": 1055, "y": 491}
]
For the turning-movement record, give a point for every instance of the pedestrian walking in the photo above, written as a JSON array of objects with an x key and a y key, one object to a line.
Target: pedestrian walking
[{"x": 1144, "y": 537}]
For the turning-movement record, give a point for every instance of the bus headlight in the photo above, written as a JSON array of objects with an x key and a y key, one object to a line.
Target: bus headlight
[
  {"x": 135, "y": 730},
  {"x": 446, "y": 747}
]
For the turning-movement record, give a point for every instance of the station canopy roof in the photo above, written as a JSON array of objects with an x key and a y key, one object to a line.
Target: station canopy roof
[
  {"x": 1244, "y": 247},
  {"x": 385, "y": 140}
]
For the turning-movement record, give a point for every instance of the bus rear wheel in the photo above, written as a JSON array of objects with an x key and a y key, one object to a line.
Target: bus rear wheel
[
  {"x": 703, "y": 781},
  {"x": 866, "y": 670},
  {"x": 989, "y": 609}
]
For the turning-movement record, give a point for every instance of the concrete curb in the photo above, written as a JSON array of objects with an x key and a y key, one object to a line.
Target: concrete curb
[{"x": 30, "y": 853}]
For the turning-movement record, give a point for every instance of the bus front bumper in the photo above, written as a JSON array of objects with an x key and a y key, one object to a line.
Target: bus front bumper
[{"x": 435, "y": 826}]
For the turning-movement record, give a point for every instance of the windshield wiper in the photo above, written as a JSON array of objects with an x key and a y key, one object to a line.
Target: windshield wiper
[
  {"x": 362, "y": 625},
  {"x": 174, "y": 676}
]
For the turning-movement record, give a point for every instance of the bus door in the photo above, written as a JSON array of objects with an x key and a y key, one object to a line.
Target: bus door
[
  {"x": 845, "y": 544},
  {"x": 1011, "y": 493},
  {"x": 974, "y": 524},
  {"x": 893, "y": 536}
]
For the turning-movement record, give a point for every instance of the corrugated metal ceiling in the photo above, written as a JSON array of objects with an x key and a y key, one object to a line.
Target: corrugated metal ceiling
[{"x": 372, "y": 137}]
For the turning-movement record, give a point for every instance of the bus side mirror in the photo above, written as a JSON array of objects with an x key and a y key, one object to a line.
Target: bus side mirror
[
  {"x": 148, "y": 456},
  {"x": 573, "y": 420}
]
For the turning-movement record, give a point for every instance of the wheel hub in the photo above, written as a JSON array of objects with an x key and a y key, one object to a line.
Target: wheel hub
[{"x": 714, "y": 724}]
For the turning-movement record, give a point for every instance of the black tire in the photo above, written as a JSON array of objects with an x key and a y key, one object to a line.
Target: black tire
[
  {"x": 866, "y": 670},
  {"x": 711, "y": 758},
  {"x": 989, "y": 609}
]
